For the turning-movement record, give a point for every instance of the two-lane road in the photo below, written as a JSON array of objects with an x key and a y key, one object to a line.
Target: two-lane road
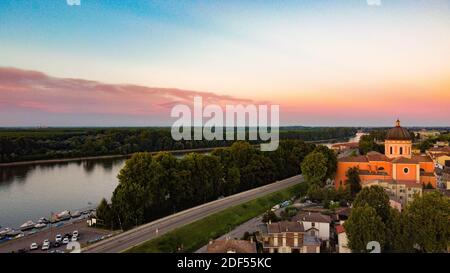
[{"x": 161, "y": 226}]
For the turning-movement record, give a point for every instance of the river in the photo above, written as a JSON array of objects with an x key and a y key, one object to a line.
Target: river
[{"x": 29, "y": 192}]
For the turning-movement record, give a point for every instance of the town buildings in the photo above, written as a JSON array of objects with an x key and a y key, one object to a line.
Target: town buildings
[{"x": 397, "y": 168}]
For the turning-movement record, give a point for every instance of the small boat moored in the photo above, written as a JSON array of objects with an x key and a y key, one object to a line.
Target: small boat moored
[
  {"x": 76, "y": 214},
  {"x": 5, "y": 231},
  {"x": 40, "y": 225},
  {"x": 27, "y": 225}
]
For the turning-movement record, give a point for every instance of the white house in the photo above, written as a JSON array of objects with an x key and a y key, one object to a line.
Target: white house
[
  {"x": 315, "y": 224},
  {"x": 342, "y": 240}
]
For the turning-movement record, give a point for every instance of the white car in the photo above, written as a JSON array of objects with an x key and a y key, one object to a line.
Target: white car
[
  {"x": 34, "y": 246},
  {"x": 46, "y": 245},
  {"x": 58, "y": 238},
  {"x": 65, "y": 240},
  {"x": 74, "y": 238},
  {"x": 75, "y": 233}
]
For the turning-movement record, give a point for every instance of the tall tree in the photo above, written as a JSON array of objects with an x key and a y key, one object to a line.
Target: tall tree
[
  {"x": 429, "y": 217},
  {"x": 363, "y": 226},
  {"x": 314, "y": 168},
  {"x": 331, "y": 160},
  {"x": 353, "y": 181},
  {"x": 375, "y": 197}
]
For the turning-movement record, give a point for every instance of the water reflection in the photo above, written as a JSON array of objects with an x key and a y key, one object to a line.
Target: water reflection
[{"x": 28, "y": 192}]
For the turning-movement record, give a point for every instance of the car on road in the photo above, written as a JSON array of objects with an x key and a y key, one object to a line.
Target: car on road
[
  {"x": 65, "y": 240},
  {"x": 75, "y": 233},
  {"x": 34, "y": 246},
  {"x": 46, "y": 245},
  {"x": 58, "y": 238},
  {"x": 74, "y": 238}
]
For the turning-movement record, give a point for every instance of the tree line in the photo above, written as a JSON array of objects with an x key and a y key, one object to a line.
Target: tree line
[
  {"x": 54, "y": 143},
  {"x": 152, "y": 187}
]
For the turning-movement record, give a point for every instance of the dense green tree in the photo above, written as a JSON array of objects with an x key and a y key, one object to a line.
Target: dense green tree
[
  {"x": 314, "y": 168},
  {"x": 105, "y": 214},
  {"x": 353, "y": 181},
  {"x": 364, "y": 225},
  {"x": 429, "y": 218},
  {"x": 375, "y": 197},
  {"x": 398, "y": 233},
  {"x": 270, "y": 216},
  {"x": 331, "y": 160}
]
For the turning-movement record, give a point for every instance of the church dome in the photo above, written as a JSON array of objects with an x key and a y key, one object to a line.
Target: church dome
[{"x": 398, "y": 133}]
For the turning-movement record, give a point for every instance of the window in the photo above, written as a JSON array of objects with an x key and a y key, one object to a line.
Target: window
[
  {"x": 313, "y": 224},
  {"x": 401, "y": 150},
  {"x": 406, "y": 170},
  {"x": 381, "y": 169},
  {"x": 390, "y": 149}
]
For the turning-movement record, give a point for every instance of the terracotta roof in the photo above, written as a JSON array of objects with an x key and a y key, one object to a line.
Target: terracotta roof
[
  {"x": 224, "y": 246},
  {"x": 312, "y": 217},
  {"x": 422, "y": 158},
  {"x": 340, "y": 229},
  {"x": 404, "y": 160},
  {"x": 398, "y": 133},
  {"x": 285, "y": 226},
  {"x": 360, "y": 158},
  {"x": 376, "y": 156},
  {"x": 445, "y": 149}
]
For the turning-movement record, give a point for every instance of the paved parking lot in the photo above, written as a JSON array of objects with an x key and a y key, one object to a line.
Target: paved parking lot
[{"x": 86, "y": 234}]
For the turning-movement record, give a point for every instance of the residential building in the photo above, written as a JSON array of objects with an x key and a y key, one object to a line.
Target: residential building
[
  {"x": 340, "y": 147},
  {"x": 287, "y": 237},
  {"x": 342, "y": 239},
  {"x": 402, "y": 192},
  {"x": 315, "y": 224}
]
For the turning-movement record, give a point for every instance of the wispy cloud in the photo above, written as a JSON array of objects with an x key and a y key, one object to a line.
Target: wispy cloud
[{"x": 23, "y": 89}]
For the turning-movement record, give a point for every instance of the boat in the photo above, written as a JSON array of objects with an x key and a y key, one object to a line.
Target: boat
[
  {"x": 13, "y": 233},
  {"x": 43, "y": 220},
  {"x": 27, "y": 225},
  {"x": 4, "y": 231},
  {"x": 40, "y": 225},
  {"x": 76, "y": 214},
  {"x": 64, "y": 215}
]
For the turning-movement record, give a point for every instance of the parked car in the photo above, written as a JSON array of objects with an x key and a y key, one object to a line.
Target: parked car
[
  {"x": 46, "y": 245},
  {"x": 56, "y": 244},
  {"x": 58, "y": 238},
  {"x": 65, "y": 240},
  {"x": 74, "y": 238},
  {"x": 34, "y": 246},
  {"x": 75, "y": 233}
]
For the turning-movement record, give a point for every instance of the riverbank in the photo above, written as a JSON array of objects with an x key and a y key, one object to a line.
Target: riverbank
[{"x": 74, "y": 159}]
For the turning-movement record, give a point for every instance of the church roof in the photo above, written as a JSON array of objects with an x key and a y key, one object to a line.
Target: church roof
[{"x": 398, "y": 133}]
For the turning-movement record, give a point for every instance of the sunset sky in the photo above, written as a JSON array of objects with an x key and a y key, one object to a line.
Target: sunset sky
[{"x": 125, "y": 63}]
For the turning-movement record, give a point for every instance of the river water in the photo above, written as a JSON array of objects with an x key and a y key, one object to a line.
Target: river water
[{"x": 29, "y": 192}]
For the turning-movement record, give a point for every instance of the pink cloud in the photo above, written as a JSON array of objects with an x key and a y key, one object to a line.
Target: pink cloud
[{"x": 32, "y": 90}]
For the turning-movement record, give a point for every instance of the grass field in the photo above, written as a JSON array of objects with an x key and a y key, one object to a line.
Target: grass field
[{"x": 196, "y": 234}]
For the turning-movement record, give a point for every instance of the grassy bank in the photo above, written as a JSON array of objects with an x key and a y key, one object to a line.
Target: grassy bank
[{"x": 196, "y": 234}]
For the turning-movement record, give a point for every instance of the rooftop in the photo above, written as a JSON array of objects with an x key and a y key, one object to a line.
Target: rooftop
[
  {"x": 398, "y": 133},
  {"x": 237, "y": 246},
  {"x": 312, "y": 217},
  {"x": 285, "y": 226}
]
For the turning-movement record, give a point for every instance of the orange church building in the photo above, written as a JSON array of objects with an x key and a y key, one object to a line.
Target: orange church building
[{"x": 396, "y": 166}]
